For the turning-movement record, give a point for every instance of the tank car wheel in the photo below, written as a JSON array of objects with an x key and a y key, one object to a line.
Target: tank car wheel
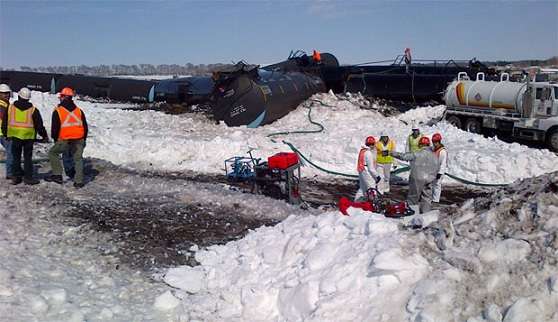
[
  {"x": 473, "y": 125},
  {"x": 455, "y": 121},
  {"x": 552, "y": 140}
]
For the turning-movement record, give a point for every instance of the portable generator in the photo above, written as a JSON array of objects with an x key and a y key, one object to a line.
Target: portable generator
[{"x": 278, "y": 178}]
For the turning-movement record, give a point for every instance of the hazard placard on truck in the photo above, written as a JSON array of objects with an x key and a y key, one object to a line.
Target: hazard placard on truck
[{"x": 522, "y": 110}]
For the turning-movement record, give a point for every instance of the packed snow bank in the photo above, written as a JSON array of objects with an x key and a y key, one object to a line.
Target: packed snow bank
[
  {"x": 52, "y": 272},
  {"x": 494, "y": 259},
  {"x": 151, "y": 140},
  {"x": 323, "y": 268}
]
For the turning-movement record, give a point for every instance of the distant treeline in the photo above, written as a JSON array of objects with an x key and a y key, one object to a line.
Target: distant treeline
[
  {"x": 553, "y": 61},
  {"x": 203, "y": 69},
  {"x": 141, "y": 69}
]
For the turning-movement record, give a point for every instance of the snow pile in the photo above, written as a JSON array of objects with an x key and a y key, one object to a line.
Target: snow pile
[
  {"x": 51, "y": 272},
  {"x": 318, "y": 268},
  {"x": 150, "y": 140},
  {"x": 494, "y": 259}
]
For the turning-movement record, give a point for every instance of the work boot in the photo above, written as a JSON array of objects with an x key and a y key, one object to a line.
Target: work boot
[
  {"x": 10, "y": 177},
  {"x": 54, "y": 178},
  {"x": 17, "y": 180},
  {"x": 78, "y": 185},
  {"x": 30, "y": 181}
]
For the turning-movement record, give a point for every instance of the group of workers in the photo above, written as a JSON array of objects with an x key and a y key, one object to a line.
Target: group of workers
[
  {"x": 20, "y": 123},
  {"x": 428, "y": 165}
]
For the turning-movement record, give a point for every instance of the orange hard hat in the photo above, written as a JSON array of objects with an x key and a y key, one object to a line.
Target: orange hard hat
[
  {"x": 437, "y": 137},
  {"x": 370, "y": 141},
  {"x": 424, "y": 141},
  {"x": 66, "y": 91}
]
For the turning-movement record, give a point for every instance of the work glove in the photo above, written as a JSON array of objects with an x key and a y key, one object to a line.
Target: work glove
[
  {"x": 385, "y": 153},
  {"x": 438, "y": 176},
  {"x": 378, "y": 178}
]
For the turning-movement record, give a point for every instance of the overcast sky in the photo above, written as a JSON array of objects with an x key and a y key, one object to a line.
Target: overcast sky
[{"x": 48, "y": 33}]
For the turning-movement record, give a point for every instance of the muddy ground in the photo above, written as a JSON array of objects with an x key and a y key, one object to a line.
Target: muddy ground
[{"x": 153, "y": 219}]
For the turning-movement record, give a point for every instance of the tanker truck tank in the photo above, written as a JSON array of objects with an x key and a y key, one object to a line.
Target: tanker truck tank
[
  {"x": 482, "y": 94},
  {"x": 523, "y": 111},
  {"x": 248, "y": 95}
]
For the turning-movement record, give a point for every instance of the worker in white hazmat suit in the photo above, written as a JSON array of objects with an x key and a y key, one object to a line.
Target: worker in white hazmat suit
[
  {"x": 424, "y": 167},
  {"x": 367, "y": 176},
  {"x": 442, "y": 155}
]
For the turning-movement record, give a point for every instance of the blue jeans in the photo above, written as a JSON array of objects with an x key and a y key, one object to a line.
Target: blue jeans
[{"x": 7, "y": 144}]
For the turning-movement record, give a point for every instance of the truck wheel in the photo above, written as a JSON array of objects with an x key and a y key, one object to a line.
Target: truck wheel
[
  {"x": 454, "y": 120},
  {"x": 473, "y": 125},
  {"x": 552, "y": 140}
]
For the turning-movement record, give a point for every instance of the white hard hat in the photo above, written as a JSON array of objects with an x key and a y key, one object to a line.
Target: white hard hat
[
  {"x": 24, "y": 93},
  {"x": 5, "y": 88}
]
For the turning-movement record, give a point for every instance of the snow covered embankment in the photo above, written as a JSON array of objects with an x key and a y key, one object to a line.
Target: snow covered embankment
[
  {"x": 319, "y": 268},
  {"x": 495, "y": 259},
  {"x": 149, "y": 140}
]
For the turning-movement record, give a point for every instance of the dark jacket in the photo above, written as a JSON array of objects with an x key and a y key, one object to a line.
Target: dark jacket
[
  {"x": 24, "y": 105},
  {"x": 68, "y": 104}
]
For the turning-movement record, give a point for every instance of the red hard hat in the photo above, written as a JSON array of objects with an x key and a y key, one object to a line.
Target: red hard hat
[
  {"x": 66, "y": 91},
  {"x": 424, "y": 141},
  {"x": 370, "y": 141},
  {"x": 437, "y": 137}
]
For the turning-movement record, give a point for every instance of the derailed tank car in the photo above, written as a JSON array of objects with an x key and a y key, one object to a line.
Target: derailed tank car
[
  {"x": 43, "y": 82},
  {"x": 248, "y": 95},
  {"x": 118, "y": 89},
  {"x": 184, "y": 90}
]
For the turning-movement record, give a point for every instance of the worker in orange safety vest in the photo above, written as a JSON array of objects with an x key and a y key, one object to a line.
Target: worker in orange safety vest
[
  {"x": 442, "y": 155},
  {"x": 367, "y": 176},
  {"x": 69, "y": 131}
]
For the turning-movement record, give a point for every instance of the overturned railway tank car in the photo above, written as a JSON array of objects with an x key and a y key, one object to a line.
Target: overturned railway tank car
[
  {"x": 248, "y": 95},
  {"x": 420, "y": 81}
]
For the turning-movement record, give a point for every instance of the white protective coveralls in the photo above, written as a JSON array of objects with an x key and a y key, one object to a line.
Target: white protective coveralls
[
  {"x": 424, "y": 166},
  {"x": 442, "y": 155},
  {"x": 366, "y": 168}
]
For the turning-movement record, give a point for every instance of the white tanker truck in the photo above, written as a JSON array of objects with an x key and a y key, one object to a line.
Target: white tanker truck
[{"x": 519, "y": 110}]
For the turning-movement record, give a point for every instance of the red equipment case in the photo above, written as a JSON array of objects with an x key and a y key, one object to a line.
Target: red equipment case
[{"x": 282, "y": 160}]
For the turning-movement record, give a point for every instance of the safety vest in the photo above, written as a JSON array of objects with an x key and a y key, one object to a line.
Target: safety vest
[
  {"x": 4, "y": 106},
  {"x": 316, "y": 56},
  {"x": 381, "y": 159},
  {"x": 439, "y": 150},
  {"x": 413, "y": 143},
  {"x": 71, "y": 125},
  {"x": 20, "y": 123},
  {"x": 361, "y": 160}
]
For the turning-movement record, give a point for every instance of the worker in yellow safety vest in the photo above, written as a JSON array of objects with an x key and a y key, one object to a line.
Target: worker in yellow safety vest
[
  {"x": 412, "y": 145},
  {"x": 5, "y": 94},
  {"x": 21, "y": 125},
  {"x": 69, "y": 131},
  {"x": 384, "y": 160}
]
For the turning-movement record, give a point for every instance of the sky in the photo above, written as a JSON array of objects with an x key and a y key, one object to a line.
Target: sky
[{"x": 60, "y": 33}]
